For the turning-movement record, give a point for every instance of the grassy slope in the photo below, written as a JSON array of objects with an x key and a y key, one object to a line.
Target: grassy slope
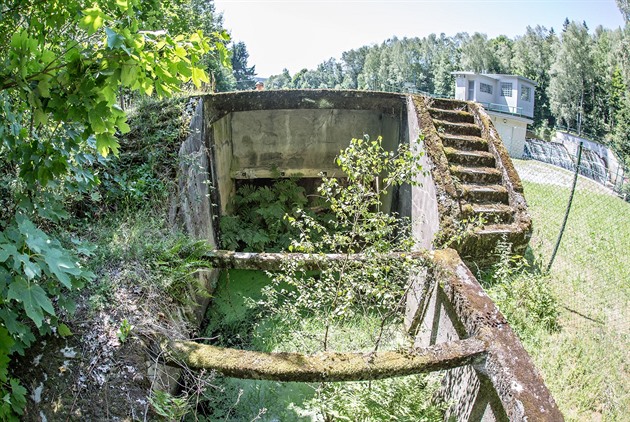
[{"x": 587, "y": 363}]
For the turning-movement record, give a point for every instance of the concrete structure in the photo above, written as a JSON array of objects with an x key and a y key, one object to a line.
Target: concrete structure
[
  {"x": 602, "y": 165},
  {"x": 508, "y": 99},
  {"x": 254, "y": 135}
]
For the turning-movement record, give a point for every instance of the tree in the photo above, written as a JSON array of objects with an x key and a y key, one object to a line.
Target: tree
[
  {"x": 478, "y": 55},
  {"x": 352, "y": 65},
  {"x": 624, "y": 8},
  {"x": 347, "y": 288},
  {"x": 533, "y": 57},
  {"x": 503, "y": 52},
  {"x": 243, "y": 74},
  {"x": 63, "y": 66},
  {"x": 572, "y": 74},
  {"x": 281, "y": 81}
]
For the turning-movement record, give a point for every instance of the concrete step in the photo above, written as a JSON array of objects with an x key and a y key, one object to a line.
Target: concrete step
[
  {"x": 484, "y": 194},
  {"x": 468, "y": 129},
  {"x": 497, "y": 230},
  {"x": 453, "y": 116},
  {"x": 446, "y": 104},
  {"x": 477, "y": 175},
  {"x": 492, "y": 213},
  {"x": 470, "y": 158},
  {"x": 463, "y": 142}
]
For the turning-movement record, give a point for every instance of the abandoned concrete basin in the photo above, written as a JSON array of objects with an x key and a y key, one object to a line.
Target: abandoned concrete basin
[{"x": 275, "y": 134}]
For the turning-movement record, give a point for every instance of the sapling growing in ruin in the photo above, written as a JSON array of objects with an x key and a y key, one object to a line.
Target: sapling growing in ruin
[{"x": 373, "y": 286}]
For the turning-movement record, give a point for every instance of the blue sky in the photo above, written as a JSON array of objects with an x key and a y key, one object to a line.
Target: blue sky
[{"x": 296, "y": 34}]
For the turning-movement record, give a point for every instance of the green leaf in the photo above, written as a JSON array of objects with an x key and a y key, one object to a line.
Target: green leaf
[
  {"x": 6, "y": 342},
  {"x": 92, "y": 19},
  {"x": 8, "y": 250},
  {"x": 198, "y": 76},
  {"x": 44, "y": 88},
  {"x": 62, "y": 266},
  {"x": 105, "y": 143},
  {"x": 63, "y": 330},
  {"x": 122, "y": 5},
  {"x": 128, "y": 74},
  {"x": 114, "y": 39},
  {"x": 33, "y": 298},
  {"x": 18, "y": 397}
]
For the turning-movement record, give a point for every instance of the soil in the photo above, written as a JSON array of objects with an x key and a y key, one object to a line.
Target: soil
[{"x": 93, "y": 375}]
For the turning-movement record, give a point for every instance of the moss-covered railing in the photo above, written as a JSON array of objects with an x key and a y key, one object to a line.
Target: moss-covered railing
[{"x": 457, "y": 328}]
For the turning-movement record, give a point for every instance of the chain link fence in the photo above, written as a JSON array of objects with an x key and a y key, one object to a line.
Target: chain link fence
[{"x": 581, "y": 240}]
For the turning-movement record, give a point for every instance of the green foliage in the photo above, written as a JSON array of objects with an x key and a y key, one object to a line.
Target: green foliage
[
  {"x": 243, "y": 74},
  {"x": 407, "y": 398},
  {"x": 348, "y": 288},
  {"x": 168, "y": 406},
  {"x": 64, "y": 64},
  {"x": 124, "y": 331},
  {"x": 523, "y": 294},
  {"x": 145, "y": 243},
  {"x": 236, "y": 320},
  {"x": 259, "y": 222},
  {"x": 145, "y": 169}
]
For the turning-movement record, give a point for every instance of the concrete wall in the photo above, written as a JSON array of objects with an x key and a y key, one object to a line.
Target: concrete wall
[
  {"x": 572, "y": 142},
  {"x": 447, "y": 304},
  {"x": 252, "y": 141},
  {"x": 512, "y": 132},
  {"x": 419, "y": 203},
  {"x": 301, "y": 141}
]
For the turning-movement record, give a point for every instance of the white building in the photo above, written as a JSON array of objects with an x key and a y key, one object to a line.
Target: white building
[{"x": 508, "y": 99}]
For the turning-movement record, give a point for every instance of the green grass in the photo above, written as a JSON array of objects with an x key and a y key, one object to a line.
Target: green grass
[
  {"x": 235, "y": 321},
  {"x": 586, "y": 364}
]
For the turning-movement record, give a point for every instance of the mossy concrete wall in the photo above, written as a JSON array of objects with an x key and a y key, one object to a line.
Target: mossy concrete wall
[
  {"x": 260, "y": 134},
  {"x": 448, "y": 304}
]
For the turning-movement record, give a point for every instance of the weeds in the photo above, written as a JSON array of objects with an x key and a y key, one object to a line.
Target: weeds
[{"x": 522, "y": 293}]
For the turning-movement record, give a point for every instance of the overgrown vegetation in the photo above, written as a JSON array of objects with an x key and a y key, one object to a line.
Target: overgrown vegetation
[
  {"x": 522, "y": 292},
  {"x": 585, "y": 363},
  {"x": 64, "y": 67},
  {"x": 349, "y": 306},
  {"x": 259, "y": 221},
  {"x": 236, "y": 319}
]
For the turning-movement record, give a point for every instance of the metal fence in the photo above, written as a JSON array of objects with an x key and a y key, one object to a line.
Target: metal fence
[{"x": 581, "y": 220}]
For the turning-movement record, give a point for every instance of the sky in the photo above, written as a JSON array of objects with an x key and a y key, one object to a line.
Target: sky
[{"x": 298, "y": 34}]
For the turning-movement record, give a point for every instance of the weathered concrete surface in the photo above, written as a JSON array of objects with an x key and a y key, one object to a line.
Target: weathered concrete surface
[
  {"x": 419, "y": 203},
  {"x": 461, "y": 309},
  {"x": 301, "y": 141},
  {"x": 253, "y": 135},
  {"x": 474, "y": 177},
  {"x": 447, "y": 304},
  {"x": 323, "y": 366}
]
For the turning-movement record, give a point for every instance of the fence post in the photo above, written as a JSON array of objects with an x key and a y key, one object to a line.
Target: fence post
[{"x": 566, "y": 214}]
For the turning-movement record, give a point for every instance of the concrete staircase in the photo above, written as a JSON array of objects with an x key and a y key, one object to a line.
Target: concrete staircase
[{"x": 482, "y": 191}]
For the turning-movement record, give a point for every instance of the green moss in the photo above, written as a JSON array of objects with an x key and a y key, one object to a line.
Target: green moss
[{"x": 235, "y": 320}]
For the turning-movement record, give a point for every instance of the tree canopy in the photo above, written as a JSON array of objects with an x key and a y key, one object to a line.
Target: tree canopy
[
  {"x": 582, "y": 75},
  {"x": 64, "y": 67}
]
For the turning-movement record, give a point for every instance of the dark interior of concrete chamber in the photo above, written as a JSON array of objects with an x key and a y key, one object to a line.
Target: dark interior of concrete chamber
[{"x": 258, "y": 146}]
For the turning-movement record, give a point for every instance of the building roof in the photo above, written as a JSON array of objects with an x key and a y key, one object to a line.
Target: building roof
[{"x": 496, "y": 76}]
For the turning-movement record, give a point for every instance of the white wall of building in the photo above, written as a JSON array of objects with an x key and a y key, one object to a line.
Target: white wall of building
[{"x": 512, "y": 132}]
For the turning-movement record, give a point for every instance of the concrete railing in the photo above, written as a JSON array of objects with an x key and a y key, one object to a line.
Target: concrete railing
[
  {"x": 504, "y": 385},
  {"x": 447, "y": 304}
]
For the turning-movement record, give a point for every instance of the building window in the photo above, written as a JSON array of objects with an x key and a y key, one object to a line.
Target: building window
[
  {"x": 526, "y": 93},
  {"x": 485, "y": 88},
  {"x": 506, "y": 89}
]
